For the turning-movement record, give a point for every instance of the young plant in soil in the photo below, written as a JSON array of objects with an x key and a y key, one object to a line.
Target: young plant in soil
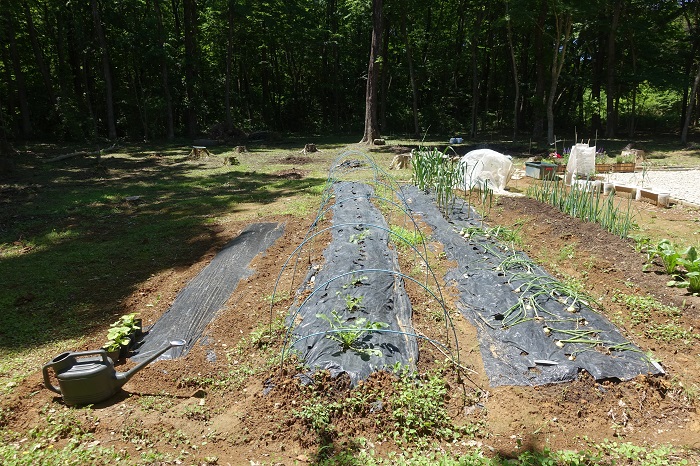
[
  {"x": 357, "y": 238},
  {"x": 349, "y": 333},
  {"x": 668, "y": 254},
  {"x": 121, "y": 332},
  {"x": 353, "y": 303},
  {"x": 356, "y": 281},
  {"x": 691, "y": 263}
]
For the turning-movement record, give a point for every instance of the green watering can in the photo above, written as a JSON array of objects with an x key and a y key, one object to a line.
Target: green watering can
[{"x": 92, "y": 380}]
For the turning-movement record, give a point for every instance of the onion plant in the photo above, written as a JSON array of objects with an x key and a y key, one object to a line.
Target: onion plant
[
  {"x": 586, "y": 204},
  {"x": 437, "y": 172}
]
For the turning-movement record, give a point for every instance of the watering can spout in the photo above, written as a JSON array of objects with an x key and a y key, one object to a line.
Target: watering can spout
[{"x": 123, "y": 377}]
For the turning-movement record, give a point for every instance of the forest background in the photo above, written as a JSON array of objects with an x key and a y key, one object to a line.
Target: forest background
[{"x": 159, "y": 69}]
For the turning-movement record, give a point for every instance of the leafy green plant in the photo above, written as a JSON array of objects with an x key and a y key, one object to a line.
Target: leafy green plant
[
  {"x": 691, "y": 263},
  {"x": 668, "y": 254},
  {"x": 356, "y": 281},
  {"x": 279, "y": 296},
  {"x": 349, "y": 333},
  {"x": 121, "y": 332},
  {"x": 669, "y": 332},
  {"x": 353, "y": 303},
  {"x": 405, "y": 237},
  {"x": 357, "y": 238}
]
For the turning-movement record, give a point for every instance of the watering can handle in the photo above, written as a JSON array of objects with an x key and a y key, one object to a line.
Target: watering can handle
[
  {"x": 47, "y": 380},
  {"x": 91, "y": 352}
]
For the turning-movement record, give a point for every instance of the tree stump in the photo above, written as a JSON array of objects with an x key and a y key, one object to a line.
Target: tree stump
[
  {"x": 198, "y": 152},
  {"x": 231, "y": 161},
  {"x": 379, "y": 142},
  {"x": 400, "y": 161},
  {"x": 309, "y": 148},
  {"x": 240, "y": 149}
]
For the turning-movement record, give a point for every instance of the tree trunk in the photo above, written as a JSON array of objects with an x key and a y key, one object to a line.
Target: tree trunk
[
  {"x": 106, "y": 70},
  {"x": 563, "y": 25},
  {"x": 191, "y": 57},
  {"x": 229, "y": 62},
  {"x": 515, "y": 75},
  {"x": 633, "y": 116},
  {"x": 385, "y": 78},
  {"x": 475, "y": 72},
  {"x": 39, "y": 55},
  {"x": 689, "y": 110},
  {"x": 412, "y": 76},
  {"x": 19, "y": 75},
  {"x": 164, "y": 74},
  {"x": 610, "y": 85},
  {"x": 371, "y": 123},
  {"x": 539, "y": 98}
]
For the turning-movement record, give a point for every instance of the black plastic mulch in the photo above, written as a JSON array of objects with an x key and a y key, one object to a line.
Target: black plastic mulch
[
  {"x": 360, "y": 243},
  {"x": 197, "y": 304},
  {"x": 522, "y": 353}
]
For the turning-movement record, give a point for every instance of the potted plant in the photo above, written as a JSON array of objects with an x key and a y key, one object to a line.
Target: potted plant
[
  {"x": 133, "y": 323},
  {"x": 113, "y": 350},
  {"x": 121, "y": 335}
]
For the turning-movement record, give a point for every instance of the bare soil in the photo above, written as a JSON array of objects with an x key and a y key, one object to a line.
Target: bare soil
[{"x": 170, "y": 407}]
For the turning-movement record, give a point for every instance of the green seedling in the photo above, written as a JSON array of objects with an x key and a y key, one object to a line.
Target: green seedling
[
  {"x": 667, "y": 253},
  {"x": 349, "y": 333},
  {"x": 355, "y": 282},
  {"x": 353, "y": 303},
  {"x": 691, "y": 263},
  {"x": 357, "y": 238}
]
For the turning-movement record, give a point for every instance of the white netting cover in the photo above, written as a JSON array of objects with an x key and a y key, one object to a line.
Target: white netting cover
[
  {"x": 486, "y": 167},
  {"x": 581, "y": 161}
]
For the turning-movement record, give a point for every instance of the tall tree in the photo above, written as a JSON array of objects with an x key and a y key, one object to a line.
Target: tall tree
[
  {"x": 412, "y": 78},
  {"x": 610, "y": 91},
  {"x": 191, "y": 61},
  {"x": 106, "y": 70},
  {"x": 371, "y": 121},
  {"x": 516, "y": 79},
  {"x": 164, "y": 73},
  {"x": 39, "y": 54},
  {"x": 563, "y": 22},
  {"x": 689, "y": 110},
  {"x": 22, "y": 96}
]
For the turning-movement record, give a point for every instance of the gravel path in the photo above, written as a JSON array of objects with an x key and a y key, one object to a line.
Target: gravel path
[{"x": 682, "y": 184}]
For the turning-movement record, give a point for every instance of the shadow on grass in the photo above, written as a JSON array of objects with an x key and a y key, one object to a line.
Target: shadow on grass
[{"x": 76, "y": 239}]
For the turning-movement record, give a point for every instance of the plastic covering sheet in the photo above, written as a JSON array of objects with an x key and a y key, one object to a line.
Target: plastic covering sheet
[
  {"x": 522, "y": 352},
  {"x": 358, "y": 264},
  {"x": 486, "y": 167},
  {"x": 196, "y": 305},
  {"x": 581, "y": 161}
]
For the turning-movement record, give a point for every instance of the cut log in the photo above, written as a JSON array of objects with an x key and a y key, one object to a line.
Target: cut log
[
  {"x": 379, "y": 142},
  {"x": 83, "y": 153}
]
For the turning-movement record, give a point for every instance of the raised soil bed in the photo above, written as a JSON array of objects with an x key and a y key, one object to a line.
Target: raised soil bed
[
  {"x": 605, "y": 168},
  {"x": 615, "y": 167}
]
